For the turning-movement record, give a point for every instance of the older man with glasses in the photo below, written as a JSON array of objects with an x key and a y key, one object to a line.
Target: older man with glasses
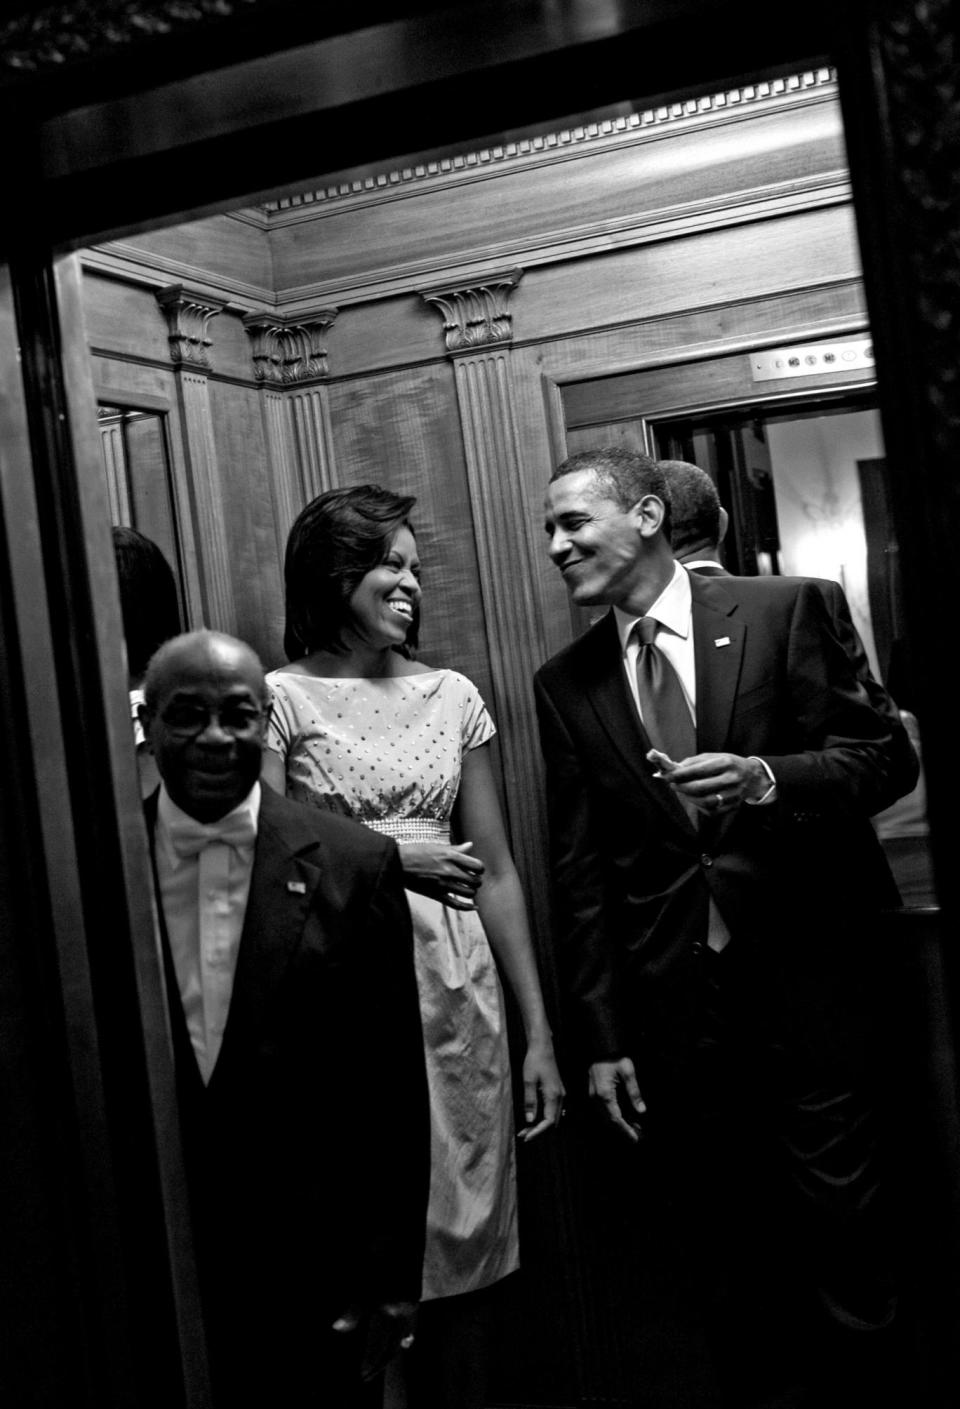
[{"x": 287, "y": 952}]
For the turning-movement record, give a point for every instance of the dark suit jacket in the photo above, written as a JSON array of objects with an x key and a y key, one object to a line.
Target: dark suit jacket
[
  {"x": 840, "y": 615},
  {"x": 308, "y": 1151},
  {"x": 797, "y": 882}
]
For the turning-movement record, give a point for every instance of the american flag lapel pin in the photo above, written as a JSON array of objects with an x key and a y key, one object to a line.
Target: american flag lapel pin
[
  {"x": 297, "y": 887},
  {"x": 721, "y": 641}
]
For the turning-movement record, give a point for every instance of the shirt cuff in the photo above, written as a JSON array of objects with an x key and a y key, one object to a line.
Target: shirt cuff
[{"x": 771, "y": 794}]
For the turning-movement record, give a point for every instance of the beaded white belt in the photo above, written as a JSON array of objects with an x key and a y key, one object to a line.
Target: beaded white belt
[{"x": 411, "y": 828}]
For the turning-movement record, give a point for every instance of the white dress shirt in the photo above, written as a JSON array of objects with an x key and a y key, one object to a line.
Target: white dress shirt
[
  {"x": 204, "y": 900},
  {"x": 673, "y": 609}
]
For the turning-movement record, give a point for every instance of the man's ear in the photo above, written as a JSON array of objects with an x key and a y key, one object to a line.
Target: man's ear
[
  {"x": 144, "y": 716},
  {"x": 649, "y": 512},
  {"x": 724, "y": 525}
]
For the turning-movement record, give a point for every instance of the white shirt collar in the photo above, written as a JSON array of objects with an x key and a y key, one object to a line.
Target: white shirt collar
[
  {"x": 673, "y": 609},
  {"x": 168, "y": 811}
]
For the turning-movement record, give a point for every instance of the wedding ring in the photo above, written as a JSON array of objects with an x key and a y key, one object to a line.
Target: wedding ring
[{"x": 719, "y": 797}]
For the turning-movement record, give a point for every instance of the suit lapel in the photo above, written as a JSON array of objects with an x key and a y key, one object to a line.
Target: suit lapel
[
  {"x": 718, "y": 642},
  {"x": 607, "y": 691},
  {"x": 610, "y": 697},
  {"x": 283, "y": 883},
  {"x": 282, "y": 888},
  {"x": 190, "y": 1082}
]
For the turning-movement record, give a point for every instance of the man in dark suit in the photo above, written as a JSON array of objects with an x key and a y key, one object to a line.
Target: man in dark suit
[
  {"x": 294, "y": 1014},
  {"x": 698, "y": 526},
  {"x": 711, "y": 774},
  {"x": 698, "y": 521}
]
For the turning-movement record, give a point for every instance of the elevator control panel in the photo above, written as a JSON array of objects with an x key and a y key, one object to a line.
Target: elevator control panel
[{"x": 812, "y": 359}]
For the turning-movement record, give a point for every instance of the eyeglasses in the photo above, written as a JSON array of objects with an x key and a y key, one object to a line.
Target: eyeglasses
[{"x": 188, "y": 720}]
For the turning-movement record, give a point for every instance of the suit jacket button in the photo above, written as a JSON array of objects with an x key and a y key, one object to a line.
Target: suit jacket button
[{"x": 706, "y": 860}]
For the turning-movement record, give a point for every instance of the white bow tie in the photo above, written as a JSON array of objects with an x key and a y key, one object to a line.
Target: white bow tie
[{"x": 188, "y": 837}]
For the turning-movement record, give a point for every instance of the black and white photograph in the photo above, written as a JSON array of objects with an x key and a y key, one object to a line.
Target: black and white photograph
[{"x": 478, "y": 520}]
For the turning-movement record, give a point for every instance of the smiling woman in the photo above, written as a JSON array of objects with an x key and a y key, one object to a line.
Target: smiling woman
[{"x": 358, "y": 726}]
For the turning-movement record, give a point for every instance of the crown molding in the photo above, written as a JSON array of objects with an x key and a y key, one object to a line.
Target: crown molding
[
  {"x": 583, "y": 237},
  {"x": 128, "y": 264},
  {"x": 576, "y": 242},
  {"x": 733, "y": 104}
]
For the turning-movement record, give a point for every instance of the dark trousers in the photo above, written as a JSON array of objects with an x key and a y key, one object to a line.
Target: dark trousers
[
  {"x": 772, "y": 1156},
  {"x": 447, "y": 1365}
]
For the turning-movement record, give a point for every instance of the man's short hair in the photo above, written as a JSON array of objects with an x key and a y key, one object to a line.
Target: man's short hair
[
  {"x": 158, "y": 662},
  {"x": 695, "y": 506},
  {"x": 627, "y": 475}
]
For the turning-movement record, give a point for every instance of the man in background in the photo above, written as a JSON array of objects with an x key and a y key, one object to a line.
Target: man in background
[
  {"x": 698, "y": 526},
  {"x": 698, "y": 521}
]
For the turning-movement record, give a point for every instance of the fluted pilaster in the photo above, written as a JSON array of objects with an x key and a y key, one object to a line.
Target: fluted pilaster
[
  {"x": 477, "y": 330},
  {"x": 290, "y": 363},
  {"x": 115, "y": 466},
  {"x": 188, "y": 318},
  {"x": 285, "y": 492},
  {"x": 209, "y": 521},
  {"x": 313, "y": 438}
]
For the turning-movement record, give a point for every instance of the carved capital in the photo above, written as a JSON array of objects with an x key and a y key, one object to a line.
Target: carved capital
[
  {"x": 264, "y": 334},
  {"x": 286, "y": 354},
  {"x": 188, "y": 319},
  {"x": 476, "y": 315},
  {"x": 304, "y": 353}
]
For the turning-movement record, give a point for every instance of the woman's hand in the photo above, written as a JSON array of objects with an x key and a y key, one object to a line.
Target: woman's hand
[
  {"x": 443, "y": 872},
  {"x": 543, "y": 1091}
]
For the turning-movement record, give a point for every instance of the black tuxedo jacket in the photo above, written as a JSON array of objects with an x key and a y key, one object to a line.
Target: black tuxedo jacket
[
  {"x": 798, "y": 882},
  {"x": 308, "y": 1152}
]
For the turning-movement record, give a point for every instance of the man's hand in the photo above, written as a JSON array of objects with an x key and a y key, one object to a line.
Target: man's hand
[
  {"x": 714, "y": 782},
  {"x": 443, "y": 872},
  {"x": 388, "y": 1329},
  {"x": 614, "y": 1085}
]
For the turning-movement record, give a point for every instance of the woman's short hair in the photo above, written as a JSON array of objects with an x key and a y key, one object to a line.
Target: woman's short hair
[
  {"x": 149, "y": 599},
  {"x": 334, "y": 542}
]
